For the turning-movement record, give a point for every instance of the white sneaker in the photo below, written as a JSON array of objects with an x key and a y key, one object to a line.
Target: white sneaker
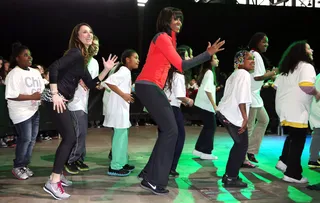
[
  {"x": 208, "y": 157},
  {"x": 64, "y": 181},
  {"x": 292, "y": 180},
  {"x": 196, "y": 153},
  {"x": 56, "y": 190},
  {"x": 281, "y": 166}
]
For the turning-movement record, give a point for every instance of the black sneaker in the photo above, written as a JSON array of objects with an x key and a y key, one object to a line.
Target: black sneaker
[
  {"x": 110, "y": 155},
  {"x": 153, "y": 188},
  {"x": 234, "y": 182},
  {"x": 252, "y": 158},
  {"x": 82, "y": 166},
  {"x": 120, "y": 172},
  {"x": 128, "y": 167},
  {"x": 174, "y": 173},
  {"x": 224, "y": 178},
  {"x": 71, "y": 168},
  {"x": 142, "y": 174},
  {"x": 313, "y": 164}
]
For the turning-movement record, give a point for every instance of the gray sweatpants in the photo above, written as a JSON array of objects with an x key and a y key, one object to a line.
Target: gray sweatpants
[{"x": 315, "y": 145}]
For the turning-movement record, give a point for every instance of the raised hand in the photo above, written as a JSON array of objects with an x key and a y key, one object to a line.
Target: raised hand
[
  {"x": 216, "y": 47},
  {"x": 109, "y": 64}
]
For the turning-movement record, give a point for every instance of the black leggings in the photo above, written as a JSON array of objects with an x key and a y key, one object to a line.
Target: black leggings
[
  {"x": 64, "y": 124},
  {"x": 158, "y": 106}
]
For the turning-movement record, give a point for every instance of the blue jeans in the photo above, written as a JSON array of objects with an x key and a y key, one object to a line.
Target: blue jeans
[{"x": 27, "y": 133}]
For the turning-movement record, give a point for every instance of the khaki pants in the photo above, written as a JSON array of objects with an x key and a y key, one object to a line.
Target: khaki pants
[{"x": 257, "y": 124}]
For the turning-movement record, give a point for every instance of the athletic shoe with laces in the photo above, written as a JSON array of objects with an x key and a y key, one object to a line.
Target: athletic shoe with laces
[{"x": 56, "y": 190}]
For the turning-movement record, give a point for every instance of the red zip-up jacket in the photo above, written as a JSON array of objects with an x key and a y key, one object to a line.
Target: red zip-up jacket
[{"x": 162, "y": 54}]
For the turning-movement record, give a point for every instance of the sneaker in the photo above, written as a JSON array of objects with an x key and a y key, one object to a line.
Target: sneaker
[
  {"x": 142, "y": 174},
  {"x": 71, "y": 168},
  {"x": 196, "y": 153},
  {"x": 281, "y": 166},
  {"x": 28, "y": 171},
  {"x": 56, "y": 190},
  {"x": 153, "y": 188},
  {"x": 252, "y": 157},
  {"x": 128, "y": 167},
  {"x": 292, "y": 180},
  {"x": 247, "y": 164},
  {"x": 46, "y": 138},
  {"x": 3, "y": 144},
  {"x": 224, "y": 178},
  {"x": 174, "y": 173},
  {"x": 234, "y": 182},
  {"x": 82, "y": 166},
  {"x": 313, "y": 164},
  {"x": 64, "y": 181},
  {"x": 20, "y": 173},
  {"x": 121, "y": 172},
  {"x": 208, "y": 157}
]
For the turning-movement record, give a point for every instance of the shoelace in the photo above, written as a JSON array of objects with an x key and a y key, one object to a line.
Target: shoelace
[{"x": 60, "y": 187}]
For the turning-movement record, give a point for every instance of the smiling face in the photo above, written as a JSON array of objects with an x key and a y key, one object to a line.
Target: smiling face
[
  {"x": 85, "y": 35},
  {"x": 176, "y": 24},
  {"x": 248, "y": 63},
  {"x": 24, "y": 59},
  {"x": 263, "y": 44},
  {"x": 133, "y": 61},
  {"x": 309, "y": 51}
]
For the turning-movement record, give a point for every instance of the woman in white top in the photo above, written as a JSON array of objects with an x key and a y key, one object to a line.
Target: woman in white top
[
  {"x": 295, "y": 88},
  {"x": 206, "y": 103},
  {"x": 118, "y": 113},
  {"x": 314, "y": 120},
  {"x": 258, "y": 117},
  {"x": 175, "y": 90},
  {"x": 24, "y": 86}
]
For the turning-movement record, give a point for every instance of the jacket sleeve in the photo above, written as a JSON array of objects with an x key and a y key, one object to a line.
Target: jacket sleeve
[
  {"x": 87, "y": 79},
  {"x": 64, "y": 62},
  {"x": 166, "y": 47}
]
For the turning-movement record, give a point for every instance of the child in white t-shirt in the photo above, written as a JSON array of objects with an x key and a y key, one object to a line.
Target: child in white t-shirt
[
  {"x": 233, "y": 111},
  {"x": 24, "y": 86},
  {"x": 175, "y": 90},
  {"x": 206, "y": 103},
  {"x": 295, "y": 88},
  {"x": 314, "y": 120},
  {"x": 118, "y": 112}
]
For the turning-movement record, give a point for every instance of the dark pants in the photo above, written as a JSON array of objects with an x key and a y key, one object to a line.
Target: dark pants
[
  {"x": 205, "y": 140},
  {"x": 80, "y": 120},
  {"x": 158, "y": 106},
  {"x": 239, "y": 148},
  {"x": 64, "y": 124},
  {"x": 181, "y": 136},
  {"x": 292, "y": 151},
  {"x": 27, "y": 133}
]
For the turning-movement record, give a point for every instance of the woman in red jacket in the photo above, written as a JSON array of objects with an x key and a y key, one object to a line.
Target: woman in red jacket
[{"x": 149, "y": 89}]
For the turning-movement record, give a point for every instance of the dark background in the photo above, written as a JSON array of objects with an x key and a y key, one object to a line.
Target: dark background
[{"x": 45, "y": 26}]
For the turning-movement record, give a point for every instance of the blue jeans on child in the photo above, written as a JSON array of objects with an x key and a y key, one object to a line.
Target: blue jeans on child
[{"x": 27, "y": 133}]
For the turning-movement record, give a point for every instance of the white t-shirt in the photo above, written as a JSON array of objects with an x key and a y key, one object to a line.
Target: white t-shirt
[
  {"x": 237, "y": 91},
  {"x": 293, "y": 104},
  {"x": 207, "y": 85},
  {"x": 27, "y": 82},
  {"x": 314, "y": 118},
  {"x": 118, "y": 110},
  {"x": 81, "y": 96},
  {"x": 259, "y": 70},
  {"x": 178, "y": 89}
]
